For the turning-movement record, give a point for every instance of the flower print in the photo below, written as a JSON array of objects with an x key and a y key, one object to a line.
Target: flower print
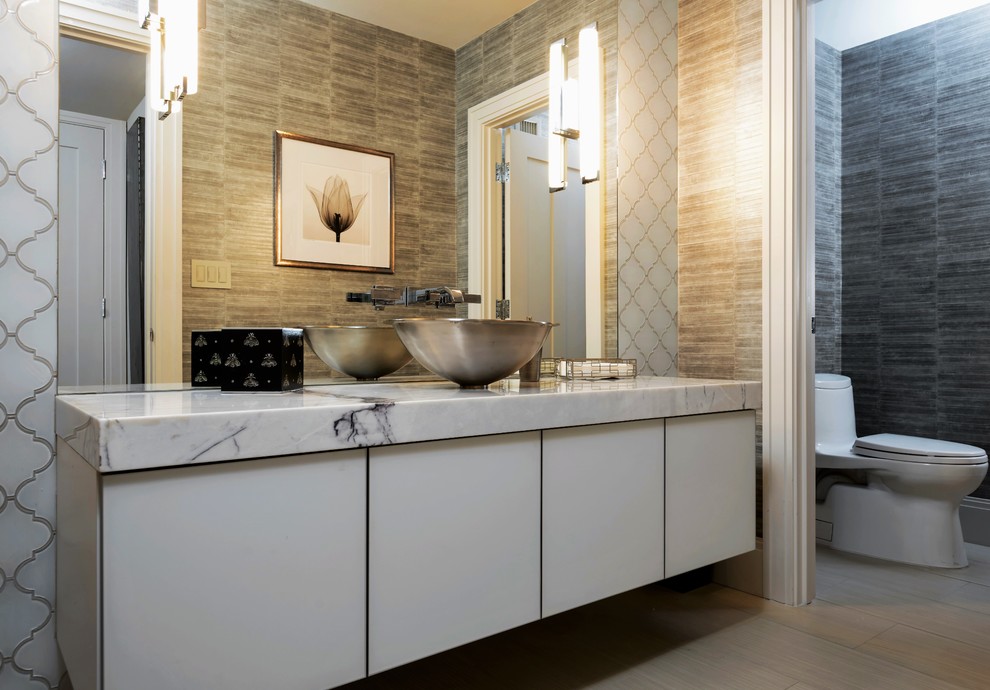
[{"x": 336, "y": 207}]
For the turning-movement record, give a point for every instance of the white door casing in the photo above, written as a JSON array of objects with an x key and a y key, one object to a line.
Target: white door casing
[{"x": 788, "y": 347}]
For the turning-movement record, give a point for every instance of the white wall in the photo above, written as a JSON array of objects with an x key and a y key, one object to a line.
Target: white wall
[
  {"x": 28, "y": 266},
  {"x": 848, "y": 23}
]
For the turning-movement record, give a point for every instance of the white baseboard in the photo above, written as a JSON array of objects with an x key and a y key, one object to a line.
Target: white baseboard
[{"x": 974, "y": 514}]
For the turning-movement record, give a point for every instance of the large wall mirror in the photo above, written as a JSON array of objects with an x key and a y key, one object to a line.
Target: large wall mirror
[{"x": 147, "y": 346}]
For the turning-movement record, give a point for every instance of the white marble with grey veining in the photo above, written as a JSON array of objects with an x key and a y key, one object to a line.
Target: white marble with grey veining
[{"x": 119, "y": 432}]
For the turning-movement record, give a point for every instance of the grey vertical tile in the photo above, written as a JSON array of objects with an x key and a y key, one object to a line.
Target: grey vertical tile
[
  {"x": 828, "y": 208},
  {"x": 915, "y": 230},
  {"x": 963, "y": 257}
]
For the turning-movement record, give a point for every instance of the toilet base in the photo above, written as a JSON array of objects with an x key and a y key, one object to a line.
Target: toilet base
[{"x": 873, "y": 521}]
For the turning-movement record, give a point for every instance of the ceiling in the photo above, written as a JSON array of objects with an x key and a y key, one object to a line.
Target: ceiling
[
  {"x": 450, "y": 23},
  {"x": 845, "y": 24},
  {"x": 98, "y": 79}
]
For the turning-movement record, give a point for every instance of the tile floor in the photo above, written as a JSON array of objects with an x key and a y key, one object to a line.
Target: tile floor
[{"x": 873, "y": 625}]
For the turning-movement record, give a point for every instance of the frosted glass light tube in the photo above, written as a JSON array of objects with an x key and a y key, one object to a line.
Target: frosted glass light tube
[
  {"x": 590, "y": 77},
  {"x": 556, "y": 145}
]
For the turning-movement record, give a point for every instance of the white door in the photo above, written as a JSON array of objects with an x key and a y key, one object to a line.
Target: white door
[
  {"x": 92, "y": 315},
  {"x": 80, "y": 255},
  {"x": 545, "y": 244}
]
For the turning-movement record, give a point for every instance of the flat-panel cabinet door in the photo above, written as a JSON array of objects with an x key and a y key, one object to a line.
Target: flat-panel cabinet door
[
  {"x": 238, "y": 575},
  {"x": 711, "y": 489},
  {"x": 602, "y": 511},
  {"x": 453, "y": 544}
]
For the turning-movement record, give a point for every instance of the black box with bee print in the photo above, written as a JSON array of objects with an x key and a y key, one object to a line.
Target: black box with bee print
[
  {"x": 207, "y": 359},
  {"x": 261, "y": 359}
]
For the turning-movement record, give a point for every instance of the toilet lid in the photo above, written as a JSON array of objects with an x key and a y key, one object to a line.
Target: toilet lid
[
  {"x": 832, "y": 381},
  {"x": 917, "y": 449}
]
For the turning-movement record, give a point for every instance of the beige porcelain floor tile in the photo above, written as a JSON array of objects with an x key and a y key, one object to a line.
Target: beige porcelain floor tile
[
  {"x": 818, "y": 662},
  {"x": 915, "y": 611},
  {"x": 844, "y": 626},
  {"x": 705, "y": 664},
  {"x": 978, "y": 570},
  {"x": 949, "y": 660},
  {"x": 896, "y": 576},
  {"x": 974, "y": 597}
]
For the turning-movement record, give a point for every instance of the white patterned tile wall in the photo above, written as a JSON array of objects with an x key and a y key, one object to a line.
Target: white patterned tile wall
[
  {"x": 647, "y": 251},
  {"x": 28, "y": 263}
]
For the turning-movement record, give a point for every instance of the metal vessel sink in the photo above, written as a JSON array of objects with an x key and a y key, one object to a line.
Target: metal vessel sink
[
  {"x": 472, "y": 352},
  {"x": 364, "y": 352}
]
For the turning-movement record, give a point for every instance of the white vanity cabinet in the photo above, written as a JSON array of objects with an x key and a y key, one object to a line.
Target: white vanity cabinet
[
  {"x": 316, "y": 569},
  {"x": 710, "y": 480},
  {"x": 453, "y": 544},
  {"x": 235, "y": 575},
  {"x": 603, "y": 516}
]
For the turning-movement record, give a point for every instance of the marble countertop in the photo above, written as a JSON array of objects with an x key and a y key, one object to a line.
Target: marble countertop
[{"x": 117, "y": 432}]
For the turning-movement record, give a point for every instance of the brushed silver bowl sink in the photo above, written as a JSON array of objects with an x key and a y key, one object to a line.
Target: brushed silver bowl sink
[
  {"x": 472, "y": 352},
  {"x": 364, "y": 352}
]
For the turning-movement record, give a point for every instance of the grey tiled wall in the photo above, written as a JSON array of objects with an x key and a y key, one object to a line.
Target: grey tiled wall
[
  {"x": 916, "y": 230},
  {"x": 828, "y": 207}
]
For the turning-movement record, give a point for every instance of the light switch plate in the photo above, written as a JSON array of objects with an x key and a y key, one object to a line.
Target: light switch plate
[{"x": 210, "y": 274}]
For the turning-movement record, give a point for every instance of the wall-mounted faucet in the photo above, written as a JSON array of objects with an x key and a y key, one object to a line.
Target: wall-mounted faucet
[{"x": 382, "y": 296}]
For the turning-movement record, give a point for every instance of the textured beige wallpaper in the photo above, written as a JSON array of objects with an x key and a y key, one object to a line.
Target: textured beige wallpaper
[
  {"x": 282, "y": 64},
  {"x": 720, "y": 201},
  {"x": 720, "y": 204},
  {"x": 514, "y": 52}
]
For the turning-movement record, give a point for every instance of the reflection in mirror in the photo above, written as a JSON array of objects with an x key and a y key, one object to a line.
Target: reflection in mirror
[
  {"x": 101, "y": 215},
  {"x": 543, "y": 234},
  {"x": 228, "y": 146}
]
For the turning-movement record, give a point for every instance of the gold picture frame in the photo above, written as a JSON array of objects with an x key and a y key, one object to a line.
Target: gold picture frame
[{"x": 334, "y": 205}]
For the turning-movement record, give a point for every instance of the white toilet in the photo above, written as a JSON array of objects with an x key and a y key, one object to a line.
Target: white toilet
[{"x": 903, "y": 504}]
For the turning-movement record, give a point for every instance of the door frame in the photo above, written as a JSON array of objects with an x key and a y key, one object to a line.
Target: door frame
[
  {"x": 114, "y": 240},
  {"x": 163, "y": 195},
  {"x": 484, "y": 240},
  {"x": 788, "y": 304}
]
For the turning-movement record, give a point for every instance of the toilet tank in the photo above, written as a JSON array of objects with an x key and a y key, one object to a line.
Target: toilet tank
[{"x": 835, "y": 416}]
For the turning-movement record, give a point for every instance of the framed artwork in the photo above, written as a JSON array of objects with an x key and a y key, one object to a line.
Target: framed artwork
[{"x": 334, "y": 205}]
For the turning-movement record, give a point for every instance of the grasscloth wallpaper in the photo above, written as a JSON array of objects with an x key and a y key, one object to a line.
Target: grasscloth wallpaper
[
  {"x": 720, "y": 203},
  {"x": 283, "y": 64}
]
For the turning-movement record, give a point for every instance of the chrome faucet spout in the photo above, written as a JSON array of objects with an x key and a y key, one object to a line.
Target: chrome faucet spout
[{"x": 382, "y": 296}]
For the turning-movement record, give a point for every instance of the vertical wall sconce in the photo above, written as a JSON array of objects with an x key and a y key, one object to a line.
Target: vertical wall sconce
[
  {"x": 575, "y": 109},
  {"x": 174, "y": 51}
]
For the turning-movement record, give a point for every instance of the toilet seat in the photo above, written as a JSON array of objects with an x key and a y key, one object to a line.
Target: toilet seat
[{"x": 916, "y": 449}]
